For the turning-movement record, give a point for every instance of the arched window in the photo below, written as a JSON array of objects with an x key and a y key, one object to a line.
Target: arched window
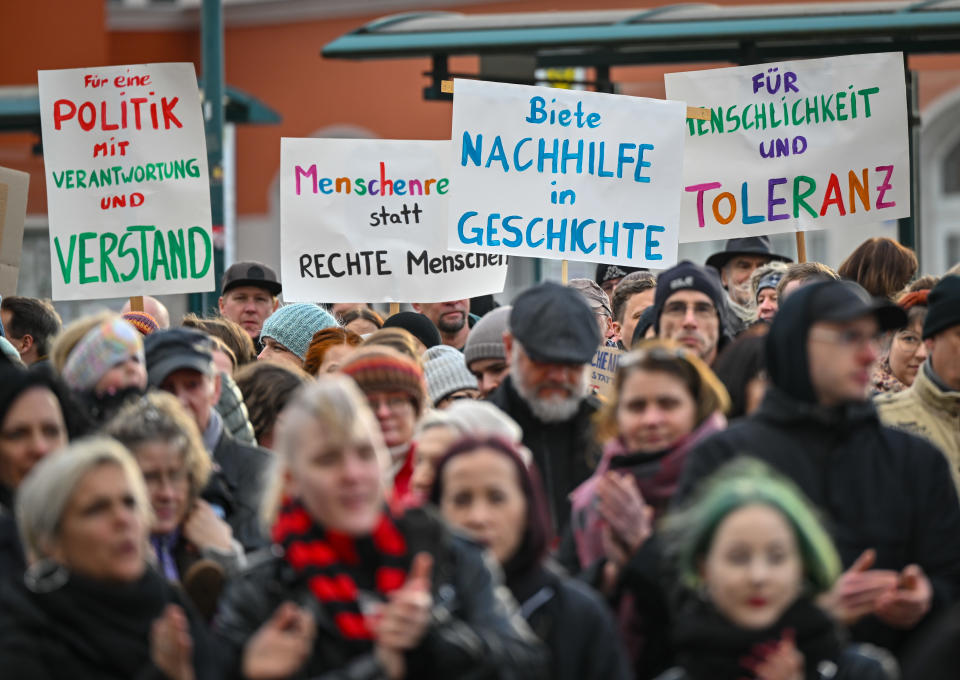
[{"x": 951, "y": 170}]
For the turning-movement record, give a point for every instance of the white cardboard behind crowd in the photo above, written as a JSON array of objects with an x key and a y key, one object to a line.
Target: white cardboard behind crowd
[
  {"x": 322, "y": 224},
  {"x": 734, "y": 158},
  {"x": 13, "y": 212}
]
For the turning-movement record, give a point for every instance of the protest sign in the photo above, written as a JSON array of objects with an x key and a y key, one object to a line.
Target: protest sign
[
  {"x": 794, "y": 146},
  {"x": 365, "y": 219},
  {"x": 561, "y": 174},
  {"x": 128, "y": 192},
  {"x": 603, "y": 369},
  {"x": 13, "y": 213}
]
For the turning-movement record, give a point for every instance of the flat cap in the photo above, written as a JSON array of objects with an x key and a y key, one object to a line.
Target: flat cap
[{"x": 555, "y": 325}]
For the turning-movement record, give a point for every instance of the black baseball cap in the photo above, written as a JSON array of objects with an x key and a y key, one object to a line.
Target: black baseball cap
[
  {"x": 847, "y": 300},
  {"x": 251, "y": 274},
  {"x": 175, "y": 349},
  {"x": 555, "y": 325}
]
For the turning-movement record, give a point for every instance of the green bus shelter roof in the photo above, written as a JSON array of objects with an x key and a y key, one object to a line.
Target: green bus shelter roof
[{"x": 687, "y": 32}]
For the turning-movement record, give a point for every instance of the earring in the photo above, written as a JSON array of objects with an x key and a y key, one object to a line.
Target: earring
[{"x": 45, "y": 576}]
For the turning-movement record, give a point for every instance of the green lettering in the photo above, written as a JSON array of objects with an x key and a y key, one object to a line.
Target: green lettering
[
  {"x": 123, "y": 252},
  {"x": 798, "y": 197},
  {"x": 84, "y": 260},
  {"x": 178, "y": 253},
  {"x": 207, "y": 251},
  {"x": 105, "y": 251},
  {"x": 65, "y": 267},
  {"x": 143, "y": 229},
  {"x": 159, "y": 257}
]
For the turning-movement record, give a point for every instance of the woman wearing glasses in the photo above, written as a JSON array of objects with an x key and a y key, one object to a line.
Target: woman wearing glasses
[{"x": 904, "y": 350}]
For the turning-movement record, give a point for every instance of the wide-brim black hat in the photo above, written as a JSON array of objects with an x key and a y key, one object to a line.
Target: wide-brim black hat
[{"x": 749, "y": 245}]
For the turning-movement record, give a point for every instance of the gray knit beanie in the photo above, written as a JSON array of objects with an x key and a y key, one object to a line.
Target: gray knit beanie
[
  {"x": 293, "y": 326},
  {"x": 446, "y": 372},
  {"x": 486, "y": 337}
]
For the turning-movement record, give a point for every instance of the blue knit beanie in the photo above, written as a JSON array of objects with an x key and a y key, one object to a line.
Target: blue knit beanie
[{"x": 293, "y": 326}]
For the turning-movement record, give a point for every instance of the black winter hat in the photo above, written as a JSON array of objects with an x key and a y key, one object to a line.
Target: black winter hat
[
  {"x": 417, "y": 325},
  {"x": 608, "y": 272},
  {"x": 686, "y": 275},
  {"x": 943, "y": 306},
  {"x": 555, "y": 325}
]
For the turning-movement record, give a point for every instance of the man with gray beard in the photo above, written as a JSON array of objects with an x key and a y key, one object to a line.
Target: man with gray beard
[{"x": 551, "y": 339}]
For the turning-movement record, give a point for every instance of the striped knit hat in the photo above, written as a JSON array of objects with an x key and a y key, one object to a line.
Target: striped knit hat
[
  {"x": 103, "y": 347},
  {"x": 377, "y": 368},
  {"x": 142, "y": 321}
]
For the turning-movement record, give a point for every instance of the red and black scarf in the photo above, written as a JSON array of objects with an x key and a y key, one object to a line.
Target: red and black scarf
[{"x": 339, "y": 568}]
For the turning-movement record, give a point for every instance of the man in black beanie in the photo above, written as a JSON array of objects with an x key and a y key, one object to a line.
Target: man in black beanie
[
  {"x": 691, "y": 309},
  {"x": 931, "y": 406},
  {"x": 886, "y": 495}
]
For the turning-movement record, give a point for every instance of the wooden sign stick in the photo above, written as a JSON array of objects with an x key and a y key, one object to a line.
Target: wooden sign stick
[
  {"x": 801, "y": 247},
  {"x": 136, "y": 303},
  {"x": 394, "y": 308},
  {"x": 563, "y": 272}
]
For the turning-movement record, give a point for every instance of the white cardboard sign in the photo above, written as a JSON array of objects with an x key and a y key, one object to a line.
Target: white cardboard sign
[
  {"x": 794, "y": 146},
  {"x": 128, "y": 193},
  {"x": 365, "y": 219},
  {"x": 13, "y": 212},
  {"x": 562, "y": 174}
]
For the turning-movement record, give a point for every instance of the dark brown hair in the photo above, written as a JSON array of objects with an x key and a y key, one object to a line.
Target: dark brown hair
[
  {"x": 230, "y": 332},
  {"x": 881, "y": 265},
  {"x": 267, "y": 387}
]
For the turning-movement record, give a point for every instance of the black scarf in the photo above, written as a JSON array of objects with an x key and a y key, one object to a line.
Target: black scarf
[{"x": 709, "y": 647}]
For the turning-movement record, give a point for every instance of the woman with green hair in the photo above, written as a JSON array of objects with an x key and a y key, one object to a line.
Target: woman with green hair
[{"x": 754, "y": 557}]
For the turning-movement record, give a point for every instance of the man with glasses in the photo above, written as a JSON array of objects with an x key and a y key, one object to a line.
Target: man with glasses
[
  {"x": 690, "y": 309},
  {"x": 551, "y": 339},
  {"x": 887, "y": 496}
]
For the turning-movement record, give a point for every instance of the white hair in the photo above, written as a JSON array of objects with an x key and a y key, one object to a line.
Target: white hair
[{"x": 555, "y": 409}]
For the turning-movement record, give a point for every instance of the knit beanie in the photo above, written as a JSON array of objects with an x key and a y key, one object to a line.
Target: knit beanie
[
  {"x": 103, "y": 347},
  {"x": 417, "y": 325},
  {"x": 293, "y": 326},
  {"x": 142, "y": 321},
  {"x": 688, "y": 276},
  {"x": 377, "y": 368},
  {"x": 446, "y": 372},
  {"x": 943, "y": 306},
  {"x": 486, "y": 337}
]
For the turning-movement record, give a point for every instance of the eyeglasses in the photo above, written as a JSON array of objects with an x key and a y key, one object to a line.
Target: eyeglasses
[
  {"x": 846, "y": 338},
  {"x": 677, "y": 309},
  {"x": 393, "y": 402}
]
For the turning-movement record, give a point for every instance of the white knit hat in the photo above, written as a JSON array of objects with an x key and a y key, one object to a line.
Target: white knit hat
[{"x": 446, "y": 372}]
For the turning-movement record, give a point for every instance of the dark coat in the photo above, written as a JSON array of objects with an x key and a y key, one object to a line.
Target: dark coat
[
  {"x": 878, "y": 488},
  {"x": 855, "y": 663},
  {"x": 565, "y": 453},
  {"x": 575, "y": 624},
  {"x": 89, "y": 631},
  {"x": 237, "y": 486},
  {"x": 475, "y": 632},
  {"x": 12, "y": 561}
]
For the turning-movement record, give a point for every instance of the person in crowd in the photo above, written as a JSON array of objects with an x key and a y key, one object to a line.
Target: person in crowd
[
  {"x": 751, "y": 558},
  {"x": 266, "y": 388},
  {"x": 143, "y": 322},
  {"x": 419, "y": 326},
  {"x": 448, "y": 379},
  {"x": 481, "y": 305},
  {"x": 484, "y": 352},
  {"x": 930, "y": 408},
  {"x": 903, "y": 350},
  {"x": 881, "y": 265},
  {"x": 89, "y": 605},
  {"x": 248, "y": 296},
  {"x": 874, "y": 484},
  {"x": 30, "y": 325},
  {"x": 230, "y": 332},
  {"x": 644, "y": 330},
  {"x": 609, "y": 276},
  {"x": 10, "y": 352},
  {"x": 397, "y": 395},
  {"x": 180, "y": 361},
  {"x": 800, "y": 274},
  {"x": 552, "y": 338},
  {"x": 287, "y": 332},
  {"x": 636, "y": 295},
  {"x": 188, "y": 538},
  {"x": 339, "y": 309},
  {"x": 763, "y": 284},
  {"x": 690, "y": 309},
  {"x": 399, "y": 340},
  {"x": 354, "y": 590},
  {"x": 33, "y": 423},
  {"x": 105, "y": 366},
  {"x": 484, "y": 487},
  {"x": 437, "y": 431},
  {"x": 361, "y": 321},
  {"x": 741, "y": 367},
  {"x": 156, "y": 309},
  {"x": 735, "y": 263},
  {"x": 451, "y": 318},
  {"x": 329, "y": 349},
  {"x": 600, "y": 305}
]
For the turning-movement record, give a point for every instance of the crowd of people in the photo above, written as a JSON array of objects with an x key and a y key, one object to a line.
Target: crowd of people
[{"x": 768, "y": 490}]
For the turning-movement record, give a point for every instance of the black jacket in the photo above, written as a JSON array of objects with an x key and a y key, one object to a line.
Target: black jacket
[
  {"x": 476, "y": 631},
  {"x": 855, "y": 663},
  {"x": 85, "y": 630},
  {"x": 12, "y": 561},
  {"x": 237, "y": 486},
  {"x": 575, "y": 624},
  {"x": 565, "y": 453}
]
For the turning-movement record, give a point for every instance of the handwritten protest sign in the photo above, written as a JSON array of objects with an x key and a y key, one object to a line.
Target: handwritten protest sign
[
  {"x": 13, "y": 213},
  {"x": 794, "y": 146},
  {"x": 562, "y": 174},
  {"x": 128, "y": 192},
  {"x": 603, "y": 369},
  {"x": 366, "y": 220}
]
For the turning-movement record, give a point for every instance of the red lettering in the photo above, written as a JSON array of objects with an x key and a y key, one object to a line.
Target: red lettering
[
  {"x": 59, "y": 115},
  {"x": 104, "y": 125},
  {"x": 833, "y": 196},
  {"x": 88, "y": 107}
]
